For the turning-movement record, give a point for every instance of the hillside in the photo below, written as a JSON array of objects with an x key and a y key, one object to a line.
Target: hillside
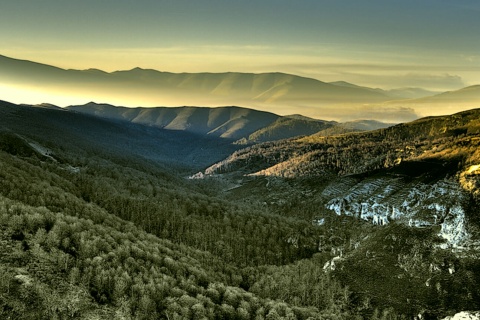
[
  {"x": 382, "y": 173},
  {"x": 90, "y": 228},
  {"x": 399, "y": 93},
  {"x": 287, "y": 127},
  {"x": 371, "y": 150},
  {"x": 245, "y": 125},
  {"x": 181, "y": 150},
  {"x": 223, "y": 122},
  {"x": 75, "y": 245},
  {"x": 97, "y": 220},
  {"x": 353, "y": 126},
  {"x": 418, "y": 179}
]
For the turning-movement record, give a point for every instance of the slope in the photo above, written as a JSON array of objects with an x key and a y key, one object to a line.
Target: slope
[
  {"x": 84, "y": 133},
  {"x": 247, "y": 126},
  {"x": 416, "y": 184},
  {"x": 398, "y": 93},
  {"x": 222, "y": 122},
  {"x": 404, "y": 161},
  {"x": 90, "y": 228},
  {"x": 371, "y": 150},
  {"x": 67, "y": 254},
  {"x": 287, "y": 127}
]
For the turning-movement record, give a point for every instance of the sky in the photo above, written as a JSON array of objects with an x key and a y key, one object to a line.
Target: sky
[{"x": 433, "y": 44}]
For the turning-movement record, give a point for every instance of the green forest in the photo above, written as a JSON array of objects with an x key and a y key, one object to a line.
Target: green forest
[{"x": 96, "y": 232}]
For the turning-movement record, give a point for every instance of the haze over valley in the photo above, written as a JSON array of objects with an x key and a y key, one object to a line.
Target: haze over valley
[{"x": 273, "y": 92}]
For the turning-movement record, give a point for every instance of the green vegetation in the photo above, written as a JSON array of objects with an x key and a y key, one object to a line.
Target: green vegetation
[
  {"x": 94, "y": 231},
  {"x": 287, "y": 127}
]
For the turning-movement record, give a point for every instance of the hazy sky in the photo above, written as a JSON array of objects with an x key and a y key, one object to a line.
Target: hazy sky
[{"x": 433, "y": 44}]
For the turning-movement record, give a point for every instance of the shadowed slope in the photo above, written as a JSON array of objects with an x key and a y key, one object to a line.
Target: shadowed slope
[{"x": 85, "y": 133}]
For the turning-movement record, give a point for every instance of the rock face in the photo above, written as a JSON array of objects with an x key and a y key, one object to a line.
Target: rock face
[
  {"x": 465, "y": 315},
  {"x": 419, "y": 205}
]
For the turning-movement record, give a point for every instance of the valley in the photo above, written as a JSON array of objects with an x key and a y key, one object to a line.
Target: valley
[
  {"x": 195, "y": 213},
  {"x": 240, "y": 160}
]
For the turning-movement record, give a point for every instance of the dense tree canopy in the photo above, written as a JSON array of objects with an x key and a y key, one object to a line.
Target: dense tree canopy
[{"x": 98, "y": 233}]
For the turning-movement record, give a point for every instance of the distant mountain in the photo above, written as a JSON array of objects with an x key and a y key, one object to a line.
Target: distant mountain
[
  {"x": 246, "y": 126},
  {"x": 366, "y": 125},
  {"x": 398, "y": 93},
  {"x": 351, "y": 85},
  {"x": 443, "y": 103},
  {"x": 279, "y": 93},
  {"x": 46, "y": 106},
  {"x": 410, "y": 93},
  {"x": 223, "y": 122},
  {"x": 353, "y": 126},
  {"x": 275, "y": 92},
  {"x": 465, "y": 95}
]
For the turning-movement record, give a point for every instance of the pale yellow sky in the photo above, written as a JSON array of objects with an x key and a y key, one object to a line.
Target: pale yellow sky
[{"x": 430, "y": 44}]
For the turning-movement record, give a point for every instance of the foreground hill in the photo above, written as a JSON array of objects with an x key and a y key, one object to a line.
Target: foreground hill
[
  {"x": 74, "y": 245},
  {"x": 94, "y": 226}
]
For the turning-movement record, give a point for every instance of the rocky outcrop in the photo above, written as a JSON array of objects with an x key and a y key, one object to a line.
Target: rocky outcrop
[
  {"x": 382, "y": 201},
  {"x": 465, "y": 315}
]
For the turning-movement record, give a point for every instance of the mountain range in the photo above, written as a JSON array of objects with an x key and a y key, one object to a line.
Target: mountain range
[
  {"x": 279, "y": 93},
  {"x": 243, "y": 125}
]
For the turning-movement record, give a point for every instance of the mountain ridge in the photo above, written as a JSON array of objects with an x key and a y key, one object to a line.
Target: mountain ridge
[
  {"x": 443, "y": 103},
  {"x": 275, "y": 91},
  {"x": 242, "y": 125}
]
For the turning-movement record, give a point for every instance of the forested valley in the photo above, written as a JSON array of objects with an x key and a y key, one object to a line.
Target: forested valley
[{"x": 103, "y": 223}]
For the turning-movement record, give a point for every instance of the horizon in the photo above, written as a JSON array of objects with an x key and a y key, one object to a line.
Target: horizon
[
  {"x": 392, "y": 110},
  {"x": 432, "y": 45},
  {"x": 227, "y": 72}
]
